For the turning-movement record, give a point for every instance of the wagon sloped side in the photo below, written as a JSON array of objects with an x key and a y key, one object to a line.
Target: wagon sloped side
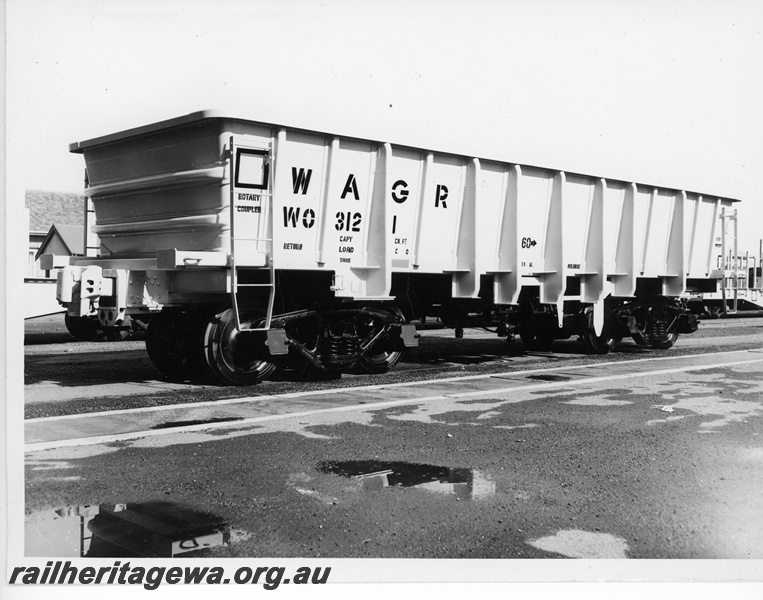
[{"x": 250, "y": 246}]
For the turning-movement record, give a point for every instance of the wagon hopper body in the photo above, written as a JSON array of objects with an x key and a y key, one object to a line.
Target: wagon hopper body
[{"x": 249, "y": 246}]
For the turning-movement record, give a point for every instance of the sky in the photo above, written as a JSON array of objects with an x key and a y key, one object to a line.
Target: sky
[{"x": 663, "y": 92}]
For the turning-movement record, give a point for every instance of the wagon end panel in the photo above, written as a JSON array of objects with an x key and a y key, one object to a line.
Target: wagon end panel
[{"x": 159, "y": 190}]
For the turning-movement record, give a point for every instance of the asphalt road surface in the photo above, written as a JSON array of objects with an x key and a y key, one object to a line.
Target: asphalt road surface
[{"x": 471, "y": 448}]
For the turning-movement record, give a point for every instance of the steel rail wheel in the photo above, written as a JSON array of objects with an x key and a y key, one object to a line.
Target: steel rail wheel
[
  {"x": 81, "y": 328},
  {"x": 174, "y": 344},
  {"x": 664, "y": 342},
  {"x": 373, "y": 334},
  {"x": 229, "y": 353},
  {"x": 640, "y": 339},
  {"x": 599, "y": 344},
  {"x": 534, "y": 328},
  {"x": 657, "y": 330}
]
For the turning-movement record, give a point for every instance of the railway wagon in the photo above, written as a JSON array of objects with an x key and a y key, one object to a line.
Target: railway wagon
[{"x": 250, "y": 246}]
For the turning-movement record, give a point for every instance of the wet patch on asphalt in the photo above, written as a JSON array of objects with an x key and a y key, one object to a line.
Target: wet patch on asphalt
[
  {"x": 548, "y": 377},
  {"x": 464, "y": 484},
  {"x": 171, "y": 424}
]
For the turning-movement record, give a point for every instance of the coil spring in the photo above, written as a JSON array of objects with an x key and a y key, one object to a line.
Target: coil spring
[
  {"x": 338, "y": 346},
  {"x": 656, "y": 326}
]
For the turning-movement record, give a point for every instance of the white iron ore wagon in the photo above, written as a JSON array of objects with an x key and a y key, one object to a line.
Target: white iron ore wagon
[{"x": 247, "y": 246}]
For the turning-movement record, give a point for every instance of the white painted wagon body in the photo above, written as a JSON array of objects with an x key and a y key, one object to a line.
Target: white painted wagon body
[{"x": 180, "y": 210}]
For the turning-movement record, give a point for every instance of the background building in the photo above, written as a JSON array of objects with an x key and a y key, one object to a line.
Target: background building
[{"x": 56, "y": 226}]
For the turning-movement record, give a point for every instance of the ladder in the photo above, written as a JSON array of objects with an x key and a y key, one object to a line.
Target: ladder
[{"x": 240, "y": 236}]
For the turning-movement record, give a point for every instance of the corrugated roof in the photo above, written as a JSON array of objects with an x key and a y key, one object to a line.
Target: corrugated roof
[{"x": 47, "y": 208}]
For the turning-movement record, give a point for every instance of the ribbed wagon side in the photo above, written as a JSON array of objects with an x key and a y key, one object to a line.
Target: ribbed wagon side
[{"x": 250, "y": 246}]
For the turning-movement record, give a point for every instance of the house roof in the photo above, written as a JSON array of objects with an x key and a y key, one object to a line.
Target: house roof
[
  {"x": 72, "y": 236},
  {"x": 47, "y": 208}
]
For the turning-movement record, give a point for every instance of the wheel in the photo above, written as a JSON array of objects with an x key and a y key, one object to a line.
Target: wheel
[
  {"x": 535, "y": 324},
  {"x": 599, "y": 344},
  {"x": 537, "y": 341},
  {"x": 656, "y": 329},
  {"x": 80, "y": 327},
  {"x": 227, "y": 354},
  {"x": 89, "y": 329},
  {"x": 640, "y": 339},
  {"x": 381, "y": 356},
  {"x": 379, "y": 361},
  {"x": 665, "y": 343},
  {"x": 174, "y": 342}
]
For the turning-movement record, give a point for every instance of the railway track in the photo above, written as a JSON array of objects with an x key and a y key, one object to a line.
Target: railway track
[{"x": 60, "y": 379}]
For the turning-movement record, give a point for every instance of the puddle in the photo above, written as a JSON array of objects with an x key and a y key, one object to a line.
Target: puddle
[
  {"x": 544, "y": 377},
  {"x": 465, "y": 484},
  {"x": 151, "y": 529},
  {"x": 170, "y": 424}
]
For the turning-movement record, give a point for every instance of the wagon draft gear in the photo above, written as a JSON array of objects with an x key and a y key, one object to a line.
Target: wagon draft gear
[{"x": 244, "y": 247}]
